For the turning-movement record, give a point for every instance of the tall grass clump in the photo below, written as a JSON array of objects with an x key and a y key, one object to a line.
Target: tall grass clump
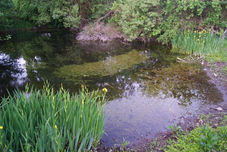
[
  {"x": 44, "y": 120},
  {"x": 201, "y": 43}
]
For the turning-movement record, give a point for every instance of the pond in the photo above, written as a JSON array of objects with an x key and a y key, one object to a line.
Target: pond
[{"x": 148, "y": 90}]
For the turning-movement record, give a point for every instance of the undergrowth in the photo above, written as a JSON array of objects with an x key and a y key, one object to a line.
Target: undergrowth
[
  {"x": 51, "y": 121},
  {"x": 201, "y": 139},
  {"x": 225, "y": 69}
]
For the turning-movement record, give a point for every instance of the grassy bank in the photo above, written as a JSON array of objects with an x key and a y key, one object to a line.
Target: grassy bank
[
  {"x": 47, "y": 121},
  {"x": 207, "y": 133},
  {"x": 211, "y": 46},
  {"x": 205, "y": 139}
]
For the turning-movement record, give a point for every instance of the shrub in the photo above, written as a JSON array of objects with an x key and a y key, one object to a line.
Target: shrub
[
  {"x": 46, "y": 121},
  {"x": 137, "y": 18},
  {"x": 163, "y": 19}
]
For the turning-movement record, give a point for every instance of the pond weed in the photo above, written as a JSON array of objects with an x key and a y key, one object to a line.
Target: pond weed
[{"x": 110, "y": 66}]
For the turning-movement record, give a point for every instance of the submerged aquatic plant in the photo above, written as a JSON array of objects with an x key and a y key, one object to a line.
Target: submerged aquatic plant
[
  {"x": 110, "y": 66},
  {"x": 43, "y": 120}
]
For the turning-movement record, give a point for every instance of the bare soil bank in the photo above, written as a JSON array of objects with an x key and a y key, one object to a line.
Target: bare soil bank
[{"x": 100, "y": 32}]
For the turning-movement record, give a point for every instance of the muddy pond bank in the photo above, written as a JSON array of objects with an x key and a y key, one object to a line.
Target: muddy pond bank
[{"x": 148, "y": 89}]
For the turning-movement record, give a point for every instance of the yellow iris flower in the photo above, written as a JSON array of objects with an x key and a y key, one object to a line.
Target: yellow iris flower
[{"x": 105, "y": 90}]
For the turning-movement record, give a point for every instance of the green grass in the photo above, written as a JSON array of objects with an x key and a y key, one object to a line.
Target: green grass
[
  {"x": 201, "y": 139},
  {"x": 202, "y": 43},
  {"x": 46, "y": 121},
  {"x": 225, "y": 69}
]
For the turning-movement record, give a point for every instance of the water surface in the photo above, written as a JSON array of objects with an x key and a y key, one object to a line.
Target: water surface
[{"x": 148, "y": 90}]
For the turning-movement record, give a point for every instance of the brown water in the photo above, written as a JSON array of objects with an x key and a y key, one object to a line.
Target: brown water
[{"x": 147, "y": 89}]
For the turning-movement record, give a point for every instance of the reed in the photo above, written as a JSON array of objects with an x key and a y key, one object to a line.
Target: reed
[
  {"x": 201, "y": 43},
  {"x": 44, "y": 120}
]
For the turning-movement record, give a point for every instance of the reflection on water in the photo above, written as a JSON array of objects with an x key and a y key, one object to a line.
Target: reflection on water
[
  {"x": 139, "y": 116},
  {"x": 13, "y": 72},
  {"x": 147, "y": 89},
  {"x": 152, "y": 100}
]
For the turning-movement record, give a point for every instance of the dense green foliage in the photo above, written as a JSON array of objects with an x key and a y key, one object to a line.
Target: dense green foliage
[
  {"x": 43, "y": 12},
  {"x": 201, "y": 139},
  {"x": 60, "y": 13},
  {"x": 5, "y": 12},
  {"x": 47, "y": 121},
  {"x": 137, "y": 17},
  {"x": 163, "y": 19}
]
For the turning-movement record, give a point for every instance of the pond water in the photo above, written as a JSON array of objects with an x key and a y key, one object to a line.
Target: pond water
[{"x": 148, "y": 90}]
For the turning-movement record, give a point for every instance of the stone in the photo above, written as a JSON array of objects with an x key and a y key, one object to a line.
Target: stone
[{"x": 219, "y": 109}]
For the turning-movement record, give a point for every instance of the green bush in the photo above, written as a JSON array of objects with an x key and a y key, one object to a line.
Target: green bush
[
  {"x": 60, "y": 13},
  {"x": 201, "y": 139},
  {"x": 137, "y": 18},
  {"x": 164, "y": 19},
  {"x": 46, "y": 121}
]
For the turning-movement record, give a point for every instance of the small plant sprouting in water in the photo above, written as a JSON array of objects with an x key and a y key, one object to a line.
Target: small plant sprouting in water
[
  {"x": 124, "y": 144},
  {"x": 176, "y": 130}
]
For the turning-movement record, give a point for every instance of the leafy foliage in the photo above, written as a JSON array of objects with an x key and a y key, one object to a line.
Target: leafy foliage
[
  {"x": 205, "y": 139},
  {"x": 100, "y": 7},
  {"x": 163, "y": 19},
  {"x": 41, "y": 12},
  {"x": 57, "y": 13},
  {"x": 5, "y": 12},
  {"x": 137, "y": 17}
]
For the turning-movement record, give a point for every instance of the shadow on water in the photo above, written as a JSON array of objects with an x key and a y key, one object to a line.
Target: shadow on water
[{"x": 147, "y": 89}]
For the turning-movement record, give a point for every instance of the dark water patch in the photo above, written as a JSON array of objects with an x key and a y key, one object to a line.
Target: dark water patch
[{"x": 148, "y": 90}]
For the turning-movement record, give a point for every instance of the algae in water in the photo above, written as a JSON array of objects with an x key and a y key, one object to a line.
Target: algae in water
[{"x": 110, "y": 66}]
